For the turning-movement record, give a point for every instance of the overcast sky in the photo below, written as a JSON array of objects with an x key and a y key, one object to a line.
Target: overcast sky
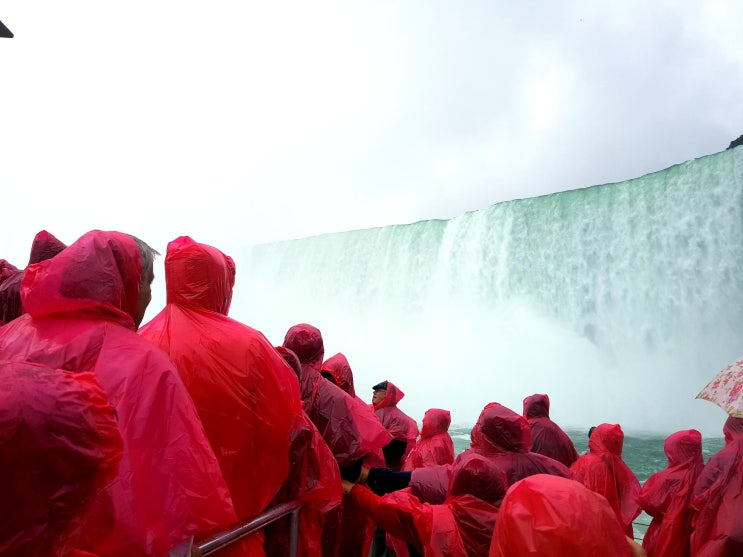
[{"x": 242, "y": 122}]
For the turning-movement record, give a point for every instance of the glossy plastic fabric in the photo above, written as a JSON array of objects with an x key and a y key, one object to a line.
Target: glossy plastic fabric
[
  {"x": 398, "y": 423},
  {"x": 550, "y": 516},
  {"x": 313, "y": 478},
  {"x": 435, "y": 445},
  {"x": 245, "y": 394},
  {"x": 602, "y": 470},
  {"x": 44, "y": 246},
  {"x": 59, "y": 443},
  {"x": 666, "y": 496},
  {"x": 339, "y": 368},
  {"x": 81, "y": 306},
  {"x": 504, "y": 437},
  {"x": 547, "y": 437},
  {"x": 718, "y": 499},
  {"x": 347, "y": 425}
]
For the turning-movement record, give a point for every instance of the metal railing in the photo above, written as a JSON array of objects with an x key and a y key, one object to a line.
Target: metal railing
[{"x": 222, "y": 539}]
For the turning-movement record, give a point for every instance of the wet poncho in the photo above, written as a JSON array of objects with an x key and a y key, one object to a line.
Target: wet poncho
[
  {"x": 547, "y": 437},
  {"x": 602, "y": 470},
  {"x": 462, "y": 526},
  {"x": 80, "y": 309},
  {"x": 718, "y": 499},
  {"x": 347, "y": 425},
  {"x": 245, "y": 394},
  {"x": 44, "y": 246},
  {"x": 435, "y": 445},
  {"x": 549, "y": 516},
  {"x": 401, "y": 426},
  {"x": 503, "y": 436},
  {"x": 666, "y": 496},
  {"x": 313, "y": 478},
  {"x": 354, "y": 525},
  {"x": 59, "y": 444}
]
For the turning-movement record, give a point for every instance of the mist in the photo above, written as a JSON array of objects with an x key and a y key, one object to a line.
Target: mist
[{"x": 619, "y": 301}]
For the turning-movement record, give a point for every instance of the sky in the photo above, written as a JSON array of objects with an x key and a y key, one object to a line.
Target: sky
[{"x": 240, "y": 122}]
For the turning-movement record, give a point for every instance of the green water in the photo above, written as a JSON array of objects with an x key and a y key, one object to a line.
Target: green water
[{"x": 643, "y": 454}]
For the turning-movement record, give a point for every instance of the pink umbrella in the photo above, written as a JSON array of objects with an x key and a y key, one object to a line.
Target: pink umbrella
[{"x": 726, "y": 389}]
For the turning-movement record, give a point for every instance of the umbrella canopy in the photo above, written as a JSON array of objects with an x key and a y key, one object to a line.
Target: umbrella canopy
[{"x": 726, "y": 389}]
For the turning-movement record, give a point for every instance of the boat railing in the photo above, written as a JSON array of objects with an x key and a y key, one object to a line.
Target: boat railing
[{"x": 215, "y": 542}]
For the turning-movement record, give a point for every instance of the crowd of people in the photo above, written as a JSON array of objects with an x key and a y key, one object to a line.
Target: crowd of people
[{"x": 123, "y": 441}]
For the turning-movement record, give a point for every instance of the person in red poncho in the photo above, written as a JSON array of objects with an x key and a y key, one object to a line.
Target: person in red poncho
[
  {"x": 83, "y": 308},
  {"x": 245, "y": 394},
  {"x": 44, "y": 246},
  {"x": 550, "y": 516},
  {"x": 348, "y": 426},
  {"x": 603, "y": 471},
  {"x": 717, "y": 499},
  {"x": 547, "y": 437},
  {"x": 666, "y": 496},
  {"x": 462, "y": 526},
  {"x": 59, "y": 444},
  {"x": 314, "y": 479},
  {"x": 435, "y": 445},
  {"x": 503, "y": 436},
  {"x": 356, "y": 527},
  {"x": 403, "y": 428}
]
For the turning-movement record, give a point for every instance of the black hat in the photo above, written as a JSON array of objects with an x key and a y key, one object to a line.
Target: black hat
[{"x": 380, "y": 386}]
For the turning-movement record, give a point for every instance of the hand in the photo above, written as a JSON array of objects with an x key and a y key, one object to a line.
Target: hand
[
  {"x": 636, "y": 548},
  {"x": 347, "y": 486},
  {"x": 363, "y": 476}
]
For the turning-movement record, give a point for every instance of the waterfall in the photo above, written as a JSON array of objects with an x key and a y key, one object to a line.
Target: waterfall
[{"x": 620, "y": 301}]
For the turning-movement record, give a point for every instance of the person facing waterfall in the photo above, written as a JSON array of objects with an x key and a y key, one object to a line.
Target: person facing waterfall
[
  {"x": 348, "y": 426},
  {"x": 403, "y": 428},
  {"x": 246, "y": 396},
  {"x": 547, "y": 437},
  {"x": 718, "y": 497},
  {"x": 435, "y": 445},
  {"x": 666, "y": 496},
  {"x": 603, "y": 471}
]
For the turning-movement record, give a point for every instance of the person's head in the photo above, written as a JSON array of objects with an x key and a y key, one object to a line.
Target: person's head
[
  {"x": 537, "y": 406},
  {"x": 590, "y": 431},
  {"x": 552, "y": 516},
  {"x": 500, "y": 430},
  {"x": 59, "y": 444},
  {"x": 733, "y": 429},
  {"x": 306, "y": 342},
  {"x": 198, "y": 276},
  {"x": 379, "y": 391},
  {"x": 291, "y": 359},
  {"x": 479, "y": 476},
  {"x": 148, "y": 275},
  {"x": 684, "y": 446},
  {"x": 435, "y": 421},
  {"x": 607, "y": 438}
]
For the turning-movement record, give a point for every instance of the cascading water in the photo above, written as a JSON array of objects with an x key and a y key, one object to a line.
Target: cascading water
[{"x": 620, "y": 301}]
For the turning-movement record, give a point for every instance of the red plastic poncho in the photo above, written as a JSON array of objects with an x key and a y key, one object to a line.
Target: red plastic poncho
[
  {"x": 547, "y": 437},
  {"x": 602, "y": 470},
  {"x": 355, "y": 526},
  {"x": 245, "y": 394},
  {"x": 666, "y": 496},
  {"x": 59, "y": 444},
  {"x": 347, "y": 425},
  {"x": 460, "y": 527},
  {"x": 81, "y": 306},
  {"x": 44, "y": 246},
  {"x": 556, "y": 517},
  {"x": 398, "y": 423},
  {"x": 435, "y": 445},
  {"x": 718, "y": 499},
  {"x": 503, "y": 436}
]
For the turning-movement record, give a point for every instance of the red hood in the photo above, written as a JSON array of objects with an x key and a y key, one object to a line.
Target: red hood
[
  {"x": 391, "y": 398},
  {"x": 340, "y": 369},
  {"x": 500, "y": 430},
  {"x": 306, "y": 342},
  {"x": 198, "y": 276},
  {"x": 537, "y": 406},
  {"x": 98, "y": 275},
  {"x": 435, "y": 422}
]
